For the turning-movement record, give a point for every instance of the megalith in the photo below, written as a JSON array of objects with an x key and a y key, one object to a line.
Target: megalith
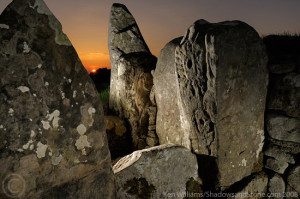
[
  {"x": 131, "y": 79},
  {"x": 221, "y": 85},
  {"x": 52, "y": 131},
  {"x": 168, "y": 125}
]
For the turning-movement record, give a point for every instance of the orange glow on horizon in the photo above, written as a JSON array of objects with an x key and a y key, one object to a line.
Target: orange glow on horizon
[{"x": 94, "y": 61}]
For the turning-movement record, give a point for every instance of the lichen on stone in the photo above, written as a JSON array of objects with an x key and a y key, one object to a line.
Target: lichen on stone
[
  {"x": 4, "y": 26},
  {"x": 81, "y": 129},
  {"x": 82, "y": 142},
  {"x": 23, "y": 89},
  {"x": 41, "y": 150}
]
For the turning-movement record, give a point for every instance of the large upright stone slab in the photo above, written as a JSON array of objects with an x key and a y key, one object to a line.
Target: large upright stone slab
[
  {"x": 52, "y": 132},
  {"x": 131, "y": 79},
  {"x": 222, "y": 87},
  {"x": 168, "y": 125}
]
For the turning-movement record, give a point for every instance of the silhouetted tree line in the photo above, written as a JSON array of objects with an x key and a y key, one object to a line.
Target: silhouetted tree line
[
  {"x": 101, "y": 78},
  {"x": 284, "y": 47}
]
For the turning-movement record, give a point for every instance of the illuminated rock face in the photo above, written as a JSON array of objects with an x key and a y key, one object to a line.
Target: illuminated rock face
[
  {"x": 165, "y": 171},
  {"x": 168, "y": 125},
  {"x": 131, "y": 79},
  {"x": 52, "y": 131},
  {"x": 221, "y": 79}
]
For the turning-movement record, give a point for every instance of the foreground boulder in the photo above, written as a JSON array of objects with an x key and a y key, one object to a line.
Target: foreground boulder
[
  {"x": 166, "y": 171},
  {"x": 52, "y": 131},
  {"x": 131, "y": 79},
  {"x": 219, "y": 68}
]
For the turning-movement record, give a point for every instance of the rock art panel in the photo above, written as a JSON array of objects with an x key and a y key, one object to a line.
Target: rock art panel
[{"x": 220, "y": 67}]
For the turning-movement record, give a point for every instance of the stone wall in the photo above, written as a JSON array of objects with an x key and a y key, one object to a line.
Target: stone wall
[
  {"x": 277, "y": 166},
  {"x": 282, "y": 115}
]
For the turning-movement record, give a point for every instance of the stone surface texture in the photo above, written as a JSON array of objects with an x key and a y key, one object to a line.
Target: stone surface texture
[
  {"x": 283, "y": 128},
  {"x": 293, "y": 179},
  {"x": 276, "y": 165},
  {"x": 219, "y": 68},
  {"x": 157, "y": 172},
  {"x": 258, "y": 185},
  {"x": 276, "y": 186},
  {"x": 52, "y": 131},
  {"x": 168, "y": 125},
  {"x": 279, "y": 154},
  {"x": 131, "y": 78}
]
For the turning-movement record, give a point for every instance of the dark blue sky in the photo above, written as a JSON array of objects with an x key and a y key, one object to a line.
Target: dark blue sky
[{"x": 86, "y": 21}]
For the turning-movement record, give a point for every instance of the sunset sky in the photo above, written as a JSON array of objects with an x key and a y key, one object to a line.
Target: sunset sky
[{"x": 86, "y": 21}]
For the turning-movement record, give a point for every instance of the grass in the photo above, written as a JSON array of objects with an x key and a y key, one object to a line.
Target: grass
[{"x": 104, "y": 95}]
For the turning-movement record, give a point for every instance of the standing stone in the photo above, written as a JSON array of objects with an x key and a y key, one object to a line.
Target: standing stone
[
  {"x": 131, "y": 79},
  {"x": 222, "y": 79},
  {"x": 52, "y": 131},
  {"x": 276, "y": 185},
  {"x": 165, "y": 171},
  {"x": 168, "y": 126}
]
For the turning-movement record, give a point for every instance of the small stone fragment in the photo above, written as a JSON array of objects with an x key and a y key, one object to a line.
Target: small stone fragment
[
  {"x": 275, "y": 165},
  {"x": 276, "y": 185}
]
